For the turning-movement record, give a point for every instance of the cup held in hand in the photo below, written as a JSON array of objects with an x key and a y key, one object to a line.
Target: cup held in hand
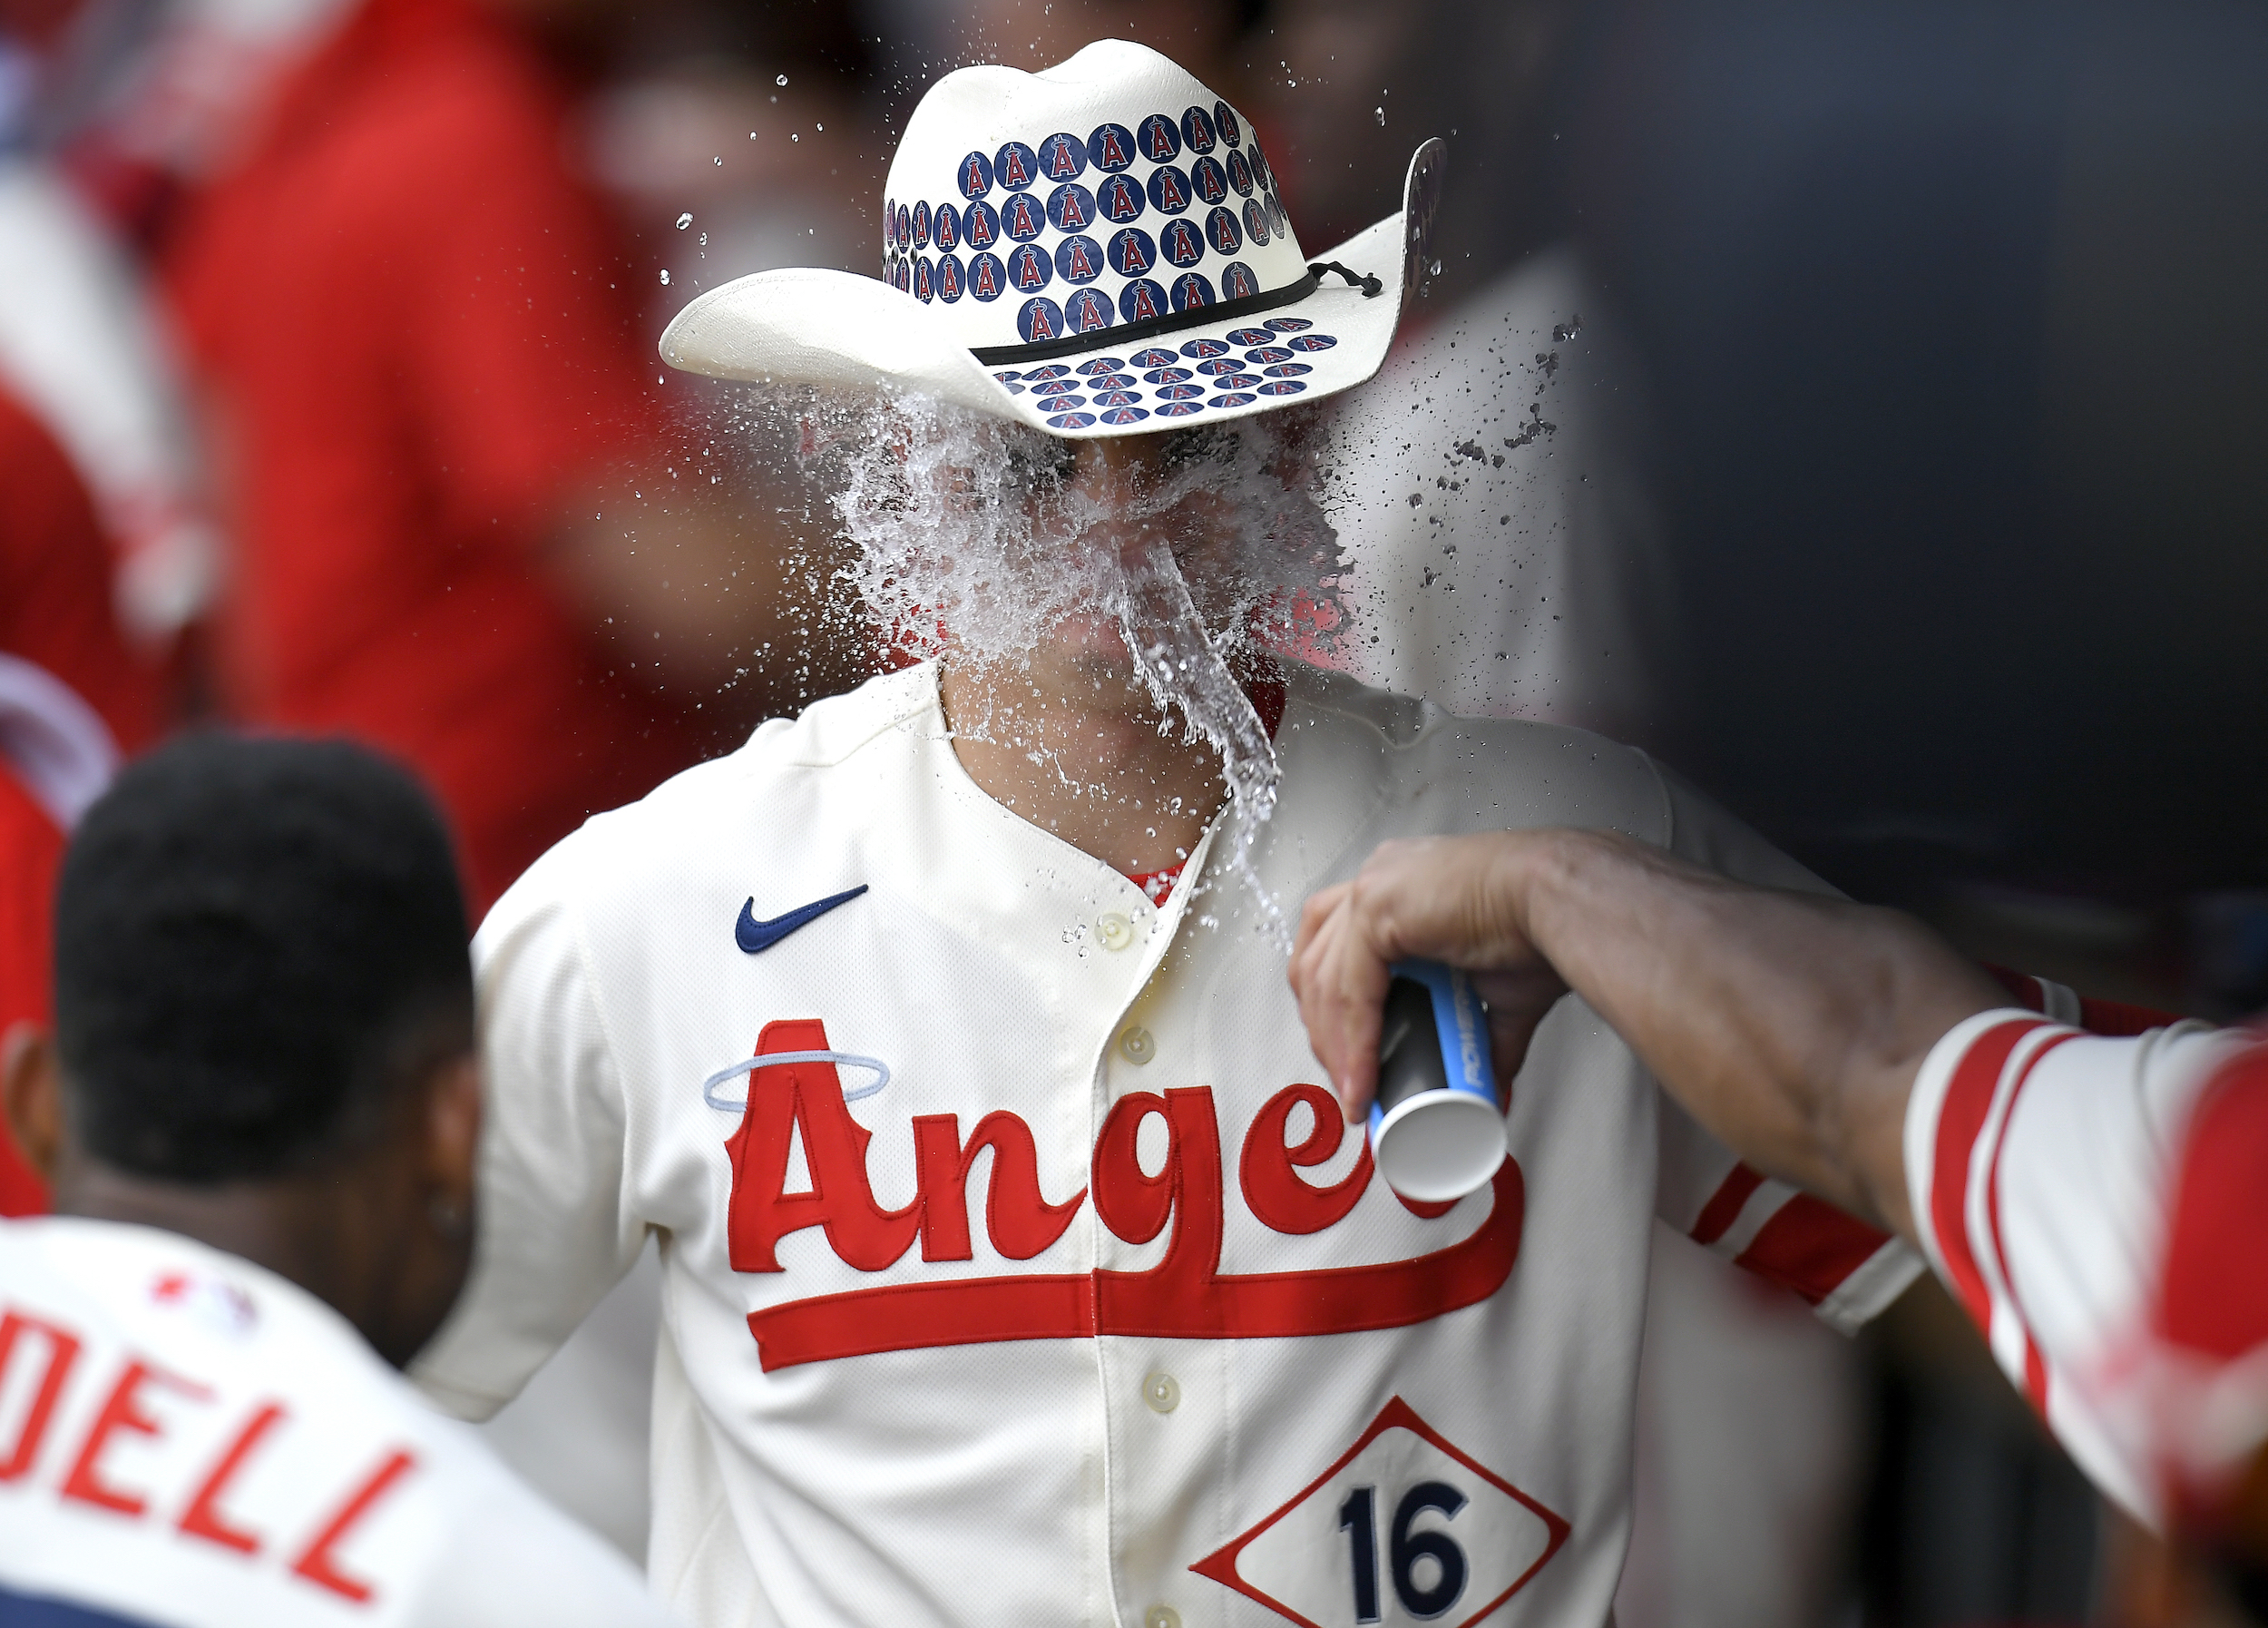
[{"x": 1436, "y": 1129}]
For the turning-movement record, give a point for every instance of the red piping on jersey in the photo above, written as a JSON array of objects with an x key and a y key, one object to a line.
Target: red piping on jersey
[
  {"x": 1724, "y": 1205},
  {"x": 1810, "y": 1248}
]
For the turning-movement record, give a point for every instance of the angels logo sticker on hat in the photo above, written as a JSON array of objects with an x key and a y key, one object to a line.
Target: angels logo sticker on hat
[
  {"x": 987, "y": 277},
  {"x": 1181, "y": 244},
  {"x": 1119, "y": 199},
  {"x": 1040, "y": 320},
  {"x": 1169, "y": 191},
  {"x": 1143, "y": 300},
  {"x": 1220, "y": 229},
  {"x": 1132, "y": 252},
  {"x": 1030, "y": 267},
  {"x": 1159, "y": 139},
  {"x": 1062, "y": 157},
  {"x": 1070, "y": 208},
  {"x": 1035, "y": 216},
  {"x": 1016, "y": 166},
  {"x": 1111, "y": 147},
  {"x": 1078, "y": 260}
]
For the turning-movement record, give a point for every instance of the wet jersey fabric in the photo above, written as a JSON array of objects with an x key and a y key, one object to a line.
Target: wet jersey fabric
[
  {"x": 2044, "y": 1165},
  {"x": 188, "y": 1441},
  {"x": 1019, "y": 1269}
]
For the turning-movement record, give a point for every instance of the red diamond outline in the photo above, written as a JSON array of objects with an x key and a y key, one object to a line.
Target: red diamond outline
[{"x": 1221, "y": 1565}]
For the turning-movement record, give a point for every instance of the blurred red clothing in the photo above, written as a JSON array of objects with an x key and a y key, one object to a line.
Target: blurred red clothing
[
  {"x": 54, "y": 611},
  {"x": 55, "y": 565},
  {"x": 404, "y": 313},
  {"x": 31, "y": 851}
]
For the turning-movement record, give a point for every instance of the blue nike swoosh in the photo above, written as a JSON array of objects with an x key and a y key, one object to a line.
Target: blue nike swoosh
[{"x": 754, "y": 936}]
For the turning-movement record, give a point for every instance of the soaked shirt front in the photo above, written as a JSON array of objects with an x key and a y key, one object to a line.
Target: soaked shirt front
[{"x": 1018, "y": 1268}]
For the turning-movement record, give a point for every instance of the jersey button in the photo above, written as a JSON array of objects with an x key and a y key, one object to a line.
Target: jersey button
[
  {"x": 1137, "y": 1045},
  {"x": 1162, "y": 1392},
  {"x": 1115, "y": 931},
  {"x": 1161, "y": 1616}
]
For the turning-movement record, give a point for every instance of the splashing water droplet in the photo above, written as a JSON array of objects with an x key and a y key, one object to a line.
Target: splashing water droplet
[{"x": 685, "y": 220}]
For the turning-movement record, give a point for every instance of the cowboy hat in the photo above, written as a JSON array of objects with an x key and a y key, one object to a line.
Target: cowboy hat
[{"x": 1098, "y": 249}]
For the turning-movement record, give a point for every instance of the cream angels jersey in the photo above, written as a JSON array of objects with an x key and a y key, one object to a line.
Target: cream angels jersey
[
  {"x": 188, "y": 1440},
  {"x": 1018, "y": 1268},
  {"x": 2043, "y": 1163}
]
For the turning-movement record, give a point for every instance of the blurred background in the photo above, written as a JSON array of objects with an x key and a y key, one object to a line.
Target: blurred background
[{"x": 1859, "y": 403}]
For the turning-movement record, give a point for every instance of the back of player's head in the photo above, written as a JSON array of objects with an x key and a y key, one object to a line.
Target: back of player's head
[{"x": 258, "y": 942}]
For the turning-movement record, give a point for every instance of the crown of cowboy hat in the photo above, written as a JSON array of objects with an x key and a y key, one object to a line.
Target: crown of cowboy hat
[{"x": 1098, "y": 249}]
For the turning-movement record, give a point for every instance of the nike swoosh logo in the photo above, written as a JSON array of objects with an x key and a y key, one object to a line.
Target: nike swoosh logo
[{"x": 754, "y": 936}]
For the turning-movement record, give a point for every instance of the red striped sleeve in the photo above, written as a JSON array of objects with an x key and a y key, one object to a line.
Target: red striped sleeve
[
  {"x": 1960, "y": 1120},
  {"x": 2035, "y": 1364}
]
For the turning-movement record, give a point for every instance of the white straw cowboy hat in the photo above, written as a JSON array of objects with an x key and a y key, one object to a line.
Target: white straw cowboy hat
[{"x": 1098, "y": 249}]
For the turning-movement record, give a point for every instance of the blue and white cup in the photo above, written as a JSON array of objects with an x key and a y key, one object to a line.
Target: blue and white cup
[{"x": 1436, "y": 1129}]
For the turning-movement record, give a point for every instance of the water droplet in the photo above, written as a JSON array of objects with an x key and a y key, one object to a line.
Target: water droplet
[
  {"x": 816, "y": 125},
  {"x": 665, "y": 278},
  {"x": 685, "y": 220},
  {"x": 781, "y": 80},
  {"x": 1382, "y": 115},
  {"x": 720, "y": 161},
  {"x": 793, "y": 136},
  {"x": 1434, "y": 270},
  {"x": 704, "y": 239}
]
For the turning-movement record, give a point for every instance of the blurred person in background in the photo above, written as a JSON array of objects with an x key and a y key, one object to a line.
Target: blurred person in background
[
  {"x": 259, "y": 1112},
  {"x": 105, "y": 555},
  {"x": 463, "y": 528},
  {"x": 1507, "y": 554},
  {"x": 2097, "y": 1204}
]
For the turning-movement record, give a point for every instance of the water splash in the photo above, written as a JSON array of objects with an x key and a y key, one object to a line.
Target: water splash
[{"x": 974, "y": 540}]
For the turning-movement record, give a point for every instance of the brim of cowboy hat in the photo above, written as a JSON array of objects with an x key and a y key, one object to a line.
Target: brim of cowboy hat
[{"x": 839, "y": 329}]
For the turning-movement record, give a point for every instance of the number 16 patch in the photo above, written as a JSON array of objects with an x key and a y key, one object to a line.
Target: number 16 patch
[{"x": 1403, "y": 1528}]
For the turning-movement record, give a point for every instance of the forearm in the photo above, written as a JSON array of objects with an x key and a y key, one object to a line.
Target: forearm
[{"x": 1790, "y": 1025}]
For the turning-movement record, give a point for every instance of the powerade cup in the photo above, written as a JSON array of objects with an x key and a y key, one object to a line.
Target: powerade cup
[{"x": 1436, "y": 1129}]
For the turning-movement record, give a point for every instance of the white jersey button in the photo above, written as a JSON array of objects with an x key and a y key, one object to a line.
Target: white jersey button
[
  {"x": 1161, "y": 1616},
  {"x": 1137, "y": 1045},
  {"x": 1162, "y": 1392},
  {"x": 1115, "y": 931}
]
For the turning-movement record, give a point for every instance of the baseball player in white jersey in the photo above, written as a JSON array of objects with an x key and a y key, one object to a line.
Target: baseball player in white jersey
[
  {"x": 2099, "y": 1202},
  {"x": 1018, "y": 1269},
  {"x": 258, "y": 1119}
]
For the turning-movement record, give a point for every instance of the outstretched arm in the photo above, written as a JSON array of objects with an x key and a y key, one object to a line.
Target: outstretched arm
[{"x": 1790, "y": 1025}]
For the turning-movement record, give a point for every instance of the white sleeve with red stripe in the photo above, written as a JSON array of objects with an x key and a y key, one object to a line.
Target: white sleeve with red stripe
[
  {"x": 1844, "y": 1269},
  {"x": 2038, "y": 1158}
]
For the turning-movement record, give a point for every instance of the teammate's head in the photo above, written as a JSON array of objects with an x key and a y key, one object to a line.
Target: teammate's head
[
  {"x": 257, "y": 944},
  {"x": 264, "y": 1012}
]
